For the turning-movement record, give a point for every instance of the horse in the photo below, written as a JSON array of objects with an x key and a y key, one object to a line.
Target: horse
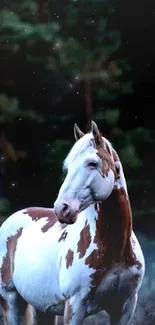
[
  {"x": 102, "y": 264},
  {"x": 80, "y": 257}
]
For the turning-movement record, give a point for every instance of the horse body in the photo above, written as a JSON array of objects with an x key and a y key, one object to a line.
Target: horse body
[
  {"x": 54, "y": 265},
  {"x": 89, "y": 261},
  {"x": 45, "y": 270}
]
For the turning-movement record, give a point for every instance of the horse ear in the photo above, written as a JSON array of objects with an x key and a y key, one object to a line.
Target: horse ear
[
  {"x": 77, "y": 132},
  {"x": 96, "y": 133}
]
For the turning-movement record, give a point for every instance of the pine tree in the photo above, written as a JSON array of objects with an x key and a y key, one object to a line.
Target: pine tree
[{"x": 79, "y": 51}]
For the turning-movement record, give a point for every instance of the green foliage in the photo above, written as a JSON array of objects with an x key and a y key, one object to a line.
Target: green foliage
[
  {"x": 13, "y": 28},
  {"x": 5, "y": 209},
  {"x": 125, "y": 141},
  {"x": 86, "y": 54},
  {"x": 10, "y": 110},
  {"x": 109, "y": 116},
  {"x": 127, "y": 88},
  {"x": 57, "y": 151},
  {"x": 54, "y": 157},
  {"x": 77, "y": 46},
  {"x": 129, "y": 156}
]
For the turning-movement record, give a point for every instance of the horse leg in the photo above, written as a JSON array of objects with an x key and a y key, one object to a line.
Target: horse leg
[
  {"x": 30, "y": 317},
  {"x": 59, "y": 320},
  {"x": 74, "y": 311},
  {"x": 13, "y": 307},
  {"x": 125, "y": 317},
  {"x": 21, "y": 313}
]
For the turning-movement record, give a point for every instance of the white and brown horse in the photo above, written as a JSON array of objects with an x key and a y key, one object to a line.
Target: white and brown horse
[{"x": 89, "y": 260}]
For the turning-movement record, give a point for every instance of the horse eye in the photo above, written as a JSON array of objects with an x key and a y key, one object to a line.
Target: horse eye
[
  {"x": 117, "y": 170},
  {"x": 92, "y": 164}
]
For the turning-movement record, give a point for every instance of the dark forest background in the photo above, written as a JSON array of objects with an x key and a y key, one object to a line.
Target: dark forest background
[{"x": 71, "y": 61}]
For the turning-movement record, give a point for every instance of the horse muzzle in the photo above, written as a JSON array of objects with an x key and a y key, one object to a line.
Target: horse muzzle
[{"x": 66, "y": 212}]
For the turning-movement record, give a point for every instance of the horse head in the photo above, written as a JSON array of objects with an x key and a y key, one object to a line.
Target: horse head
[{"x": 92, "y": 168}]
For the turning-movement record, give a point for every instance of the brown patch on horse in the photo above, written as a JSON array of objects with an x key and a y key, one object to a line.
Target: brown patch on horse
[
  {"x": 63, "y": 236},
  {"x": 113, "y": 236},
  {"x": 37, "y": 213},
  {"x": 84, "y": 241},
  {"x": 69, "y": 258},
  {"x": 107, "y": 158},
  {"x": 49, "y": 224},
  {"x": 8, "y": 260}
]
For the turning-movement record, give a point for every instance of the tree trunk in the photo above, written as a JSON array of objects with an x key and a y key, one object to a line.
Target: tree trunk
[
  {"x": 43, "y": 11},
  {"x": 88, "y": 103}
]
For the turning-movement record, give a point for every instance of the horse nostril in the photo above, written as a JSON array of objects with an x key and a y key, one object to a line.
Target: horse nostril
[
  {"x": 62, "y": 221},
  {"x": 65, "y": 207}
]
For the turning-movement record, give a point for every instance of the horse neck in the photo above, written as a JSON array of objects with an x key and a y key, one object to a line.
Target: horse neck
[{"x": 114, "y": 223}]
